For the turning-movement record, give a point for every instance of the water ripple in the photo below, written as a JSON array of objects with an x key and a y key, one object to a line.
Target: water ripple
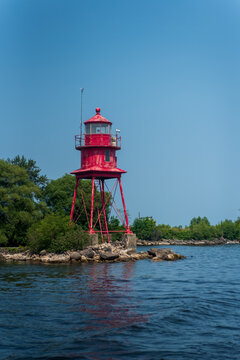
[{"x": 143, "y": 310}]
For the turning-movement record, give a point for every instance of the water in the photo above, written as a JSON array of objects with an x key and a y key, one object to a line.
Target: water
[{"x": 187, "y": 309}]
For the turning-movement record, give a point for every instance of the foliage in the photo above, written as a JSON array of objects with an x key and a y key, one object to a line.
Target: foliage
[
  {"x": 42, "y": 234},
  {"x": 228, "y": 229},
  {"x": 19, "y": 204},
  {"x": 144, "y": 227},
  {"x": 199, "y": 221},
  {"x": 114, "y": 225},
  {"x": 31, "y": 168},
  {"x": 58, "y": 195},
  {"x": 199, "y": 229},
  {"x": 162, "y": 232},
  {"x": 74, "y": 239},
  {"x": 54, "y": 234},
  {"x": 36, "y": 211}
]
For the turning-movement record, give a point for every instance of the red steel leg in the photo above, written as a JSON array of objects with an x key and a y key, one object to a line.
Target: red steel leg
[
  {"x": 128, "y": 231},
  {"x": 74, "y": 199},
  {"x": 104, "y": 212},
  {"x": 91, "y": 219}
]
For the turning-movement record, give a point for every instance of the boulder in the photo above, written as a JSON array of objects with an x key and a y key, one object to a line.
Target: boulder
[
  {"x": 89, "y": 253},
  {"x": 164, "y": 254},
  {"x": 135, "y": 256},
  {"x": 84, "y": 259},
  {"x": 124, "y": 258},
  {"x": 108, "y": 255},
  {"x": 74, "y": 255}
]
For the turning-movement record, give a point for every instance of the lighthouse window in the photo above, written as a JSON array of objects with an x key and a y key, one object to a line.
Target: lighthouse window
[
  {"x": 104, "y": 129},
  {"x": 87, "y": 129},
  {"x": 96, "y": 129},
  {"x": 107, "y": 155}
]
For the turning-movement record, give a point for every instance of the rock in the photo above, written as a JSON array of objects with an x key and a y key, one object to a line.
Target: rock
[
  {"x": 74, "y": 255},
  {"x": 84, "y": 259},
  {"x": 135, "y": 256},
  {"x": 2, "y": 257},
  {"x": 124, "y": 258},
  {"x": 164, "y": 254},
  {"x": 144, "y": 255},
  {"x": 160, "y": 252},
  {"x": 170, "y": 257},
  {"x": 35, "y": 257},
  {"x": 108, "y": 255},
  {"x": 60, "y": 258},
  {"x": 89, "y": 253},
  {"x": 153, "y": 251},
  {"x": 43, "y": 252},
  {"x": 96, "y": 258},
  {"x": 157, "y": 259}
]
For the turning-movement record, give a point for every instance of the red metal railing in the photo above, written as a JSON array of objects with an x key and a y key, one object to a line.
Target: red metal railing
[{"x": 98, "y": 139}]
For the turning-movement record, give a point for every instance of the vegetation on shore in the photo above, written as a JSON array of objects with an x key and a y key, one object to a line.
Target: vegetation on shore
[
  {"x": 198, "y": 229},
  {"x": 34, "y": 212}
]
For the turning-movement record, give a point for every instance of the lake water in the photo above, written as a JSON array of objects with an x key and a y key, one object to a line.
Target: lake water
[{"x": 188, "y": 309}]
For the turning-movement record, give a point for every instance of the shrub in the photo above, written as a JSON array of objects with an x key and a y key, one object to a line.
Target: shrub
[
  {"x": 74, "y": 239},
  {"x": 54, "y": 234},
  {"x": 42, "y": 234}
]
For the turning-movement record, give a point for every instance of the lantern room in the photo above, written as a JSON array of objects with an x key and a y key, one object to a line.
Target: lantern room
[{"x": 98, "y": 146}]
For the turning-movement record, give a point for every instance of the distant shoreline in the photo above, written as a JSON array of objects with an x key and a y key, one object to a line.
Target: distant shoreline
[{"x": 164, "y": 242}]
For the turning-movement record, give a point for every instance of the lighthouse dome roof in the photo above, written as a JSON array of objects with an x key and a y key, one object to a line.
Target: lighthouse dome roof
[{"x": 98, "y": 118}]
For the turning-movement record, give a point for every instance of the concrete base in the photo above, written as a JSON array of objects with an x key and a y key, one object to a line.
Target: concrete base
[
  {"x": 130, "y": 241},
  {"x": 93, "y": 239}
]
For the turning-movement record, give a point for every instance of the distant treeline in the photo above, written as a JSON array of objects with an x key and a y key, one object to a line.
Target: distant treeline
[
  {"x": 34, "y": 212},
  {"x": 198, "y": 229}
]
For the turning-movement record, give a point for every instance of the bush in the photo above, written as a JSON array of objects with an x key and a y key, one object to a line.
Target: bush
[
  {"x": 144, "y": 228},
  {"x": 74, "y": 239},
  {"x": 54, "y": 234},
  {"x": 42, "y": 234}
]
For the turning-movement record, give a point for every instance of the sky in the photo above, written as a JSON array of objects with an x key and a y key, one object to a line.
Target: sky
[{"x": 165, "y": 72}]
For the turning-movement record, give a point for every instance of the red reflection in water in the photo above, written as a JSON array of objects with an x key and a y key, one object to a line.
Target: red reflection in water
[{"x": 108, "y": 299}]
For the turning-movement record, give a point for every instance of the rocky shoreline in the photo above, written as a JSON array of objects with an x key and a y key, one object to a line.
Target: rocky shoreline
[
  {"x": 97, "y": 253},
  {"x": 165, "y": 242}
]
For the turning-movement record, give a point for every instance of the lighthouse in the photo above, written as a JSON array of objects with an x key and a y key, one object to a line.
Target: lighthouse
[{"x": 99, "y": 163}]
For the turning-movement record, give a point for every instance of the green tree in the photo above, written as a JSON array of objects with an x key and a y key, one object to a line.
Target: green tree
[
  {"x": 19, "y": 204},
  {"x": 53, "y": 233},
  {"x": 228, "y": 229},
  {"x": 199, "y": 220},
  {"x": 144, "y": 227},
  {"x": 114, "y": 225},
  {"x": 162, "y": 232},
  {"x": 42, "y": 234},
  {"x": 31, "y": 168},
  {"x": 201, "y": 229},
  {"x": 58, "y": 195}
]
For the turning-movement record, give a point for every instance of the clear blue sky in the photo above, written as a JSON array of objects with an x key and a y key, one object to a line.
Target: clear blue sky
[{"x": 165, "y": 72}]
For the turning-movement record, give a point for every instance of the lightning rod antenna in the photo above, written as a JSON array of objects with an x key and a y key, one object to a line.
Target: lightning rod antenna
[{"x": 81, "y": 90}]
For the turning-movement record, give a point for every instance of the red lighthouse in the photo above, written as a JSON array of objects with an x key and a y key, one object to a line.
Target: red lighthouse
[{"x": 99, "y": 163}]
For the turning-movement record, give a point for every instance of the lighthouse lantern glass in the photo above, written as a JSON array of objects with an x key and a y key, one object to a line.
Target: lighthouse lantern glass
[{"x": 97, "y": 129}]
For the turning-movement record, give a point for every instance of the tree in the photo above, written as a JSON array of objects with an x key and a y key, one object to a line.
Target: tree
[
  {"x": 199, "y": 220},
  {"x": 144, "y": 227},
  {"x": 228, "y": 229},
  {"x": 41, "y": 234},
  {"x": 58, "y": 195},
  {"x": 32, "y": 170},
  {"x": 114, "y": 225},
  {"x": 162, "y": 232},
  {"x": 20, "y": 206}
]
